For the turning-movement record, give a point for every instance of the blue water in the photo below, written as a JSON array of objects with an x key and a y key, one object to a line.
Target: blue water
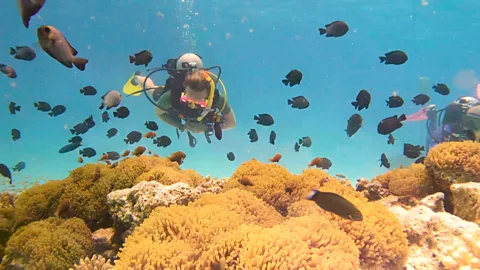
[{"x": 256, "y": 43}]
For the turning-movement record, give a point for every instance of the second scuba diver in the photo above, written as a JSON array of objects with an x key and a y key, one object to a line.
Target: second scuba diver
[
  {"x": 458, "y": 121},
  {"x": 189, "y": 100}
]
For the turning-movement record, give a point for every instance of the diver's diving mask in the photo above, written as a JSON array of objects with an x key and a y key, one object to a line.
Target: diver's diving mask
[{"x": 192, "y": 103}]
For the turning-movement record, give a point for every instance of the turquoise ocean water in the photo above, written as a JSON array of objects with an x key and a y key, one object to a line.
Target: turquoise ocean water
[{"x": 256, "y": 43}]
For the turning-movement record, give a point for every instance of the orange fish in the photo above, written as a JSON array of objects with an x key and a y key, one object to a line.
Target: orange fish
[
  {"x": 276, "y": 158},
  {"x": 156, "y": 155},
  {"x": 108, "y": 162},
  {"x": 149, "y": 152},
  {"x": 319, "y": 162},
  {"x": 114, "y": 165},
  {"x": 150, "y": 135},
  {"x": 80, "y": 160},
  {"x": 178, "y": 157},
  {"x": 126, "y": 153},
  {"x": 245, "y": 181},
  {"x": 139, "y": 151}
]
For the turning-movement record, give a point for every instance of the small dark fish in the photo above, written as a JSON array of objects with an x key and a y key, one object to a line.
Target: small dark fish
[
  {"x": 264, "y": 119},
  {"x": 336, "y": 204},
  {"x": 340, "y": 176},
  {"x": 294, "y": 77},
  {"x": 363, "y": 100},
  {"x": 142, "y": 58},
  {"x": 288, "y": 190},
  {"x": 23, "y": 53},
  {"x": 334, "y": 29},
  {"x": 88, "y": 152},
  {"x": 28, "y": 8},
  {"x": 89, "y": 122},
  {"x": 231, "y": 156},
  {"x": 177, "y": 157},
  {"x": 354, "y": 123},
  {"x": 252, "y": 134},
  {"x": 421, "y": 99},
  {"x": 442, "y": 89},
  {"x": 420, "y": 160},
  {"x": 299, "y": 102},
  {"x": 178, "y": 133},
  {"x": 42, "y": 106},
  {"x": 112, "y": 155},
  {"x": 390, "y": 124},
  {"x": 162, "y": 141},
  {"x": 391, "y": 139},
  {"x": 412, "y": 151},
  {"x": 88, "y": 91},
  {"x": 76, "y": 139},
  {"x": 296, "y": 147},
  {"x": 245, "y": 181},
  {"x": 16, "y": 134},
  {"x": 5, "y": 172},
  {"x": 273, "y": 136},
  {"x": 121, "y": 112},
  {"x": 319, "y": 162},
  {"x": 57, "y": 110},
  {"x": 394, "y": 58},
  {"x": 275, "y": 158},
  {"x": 105, "y": 117},
  {"x": 112, "y": 132},
  {"x": 8, "y": 71},
  {"x": 139, "y": 151},
  {"x": 192, "y": 141},
  {"x": 305, "y": 141},
  {"x": 54, "y": 43},
  {"x": 133, "y": 137},
  {"x": 80, "y": 128},
  {"x": 111, "y": 99},
  {"x": 151, "y": 125},
  {"x": 19, "y": 167},
  {"x": 384, "y": 161},
  {"x": 13, "y": 108},
  {"x": 69, "y": 147},
  {"x": 394, "y": 101}
]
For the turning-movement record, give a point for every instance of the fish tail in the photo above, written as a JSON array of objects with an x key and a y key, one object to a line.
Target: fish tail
[
  {"x": 126, "y": 141},
  {"x": 256, "y": 118},
  {"x": 388, "y": 103},
  {"x": 82, "y": 91},
  {"x": 115, "y": 114},
  {"x": 300, "y": 141},
  {"x": 403, "y": 117},
  {"x": 12, "y": 51},
  {"x": 290, "y": 102},
  {"x": 382, "y": 59},
  {"x": 322, "y": 31},
  {"x": 35, "y": 104},
  {"x": 80, "y": 152},
  {"x": 50, "y": 113},
  {"x": 355, "y": 104},
  {"x": 434, "y": 87},
  {"x": 422, "y": 148},
  {"x": 72, "y": 131},
  {"x": 132, "y": 59},
  {"x": 17, "y": 108},
  {"x": 101, "y": 106},
  {"x": 285, "y": 82},
  {"x": 80, "y": 63},
  {"x": 312, "y": 194}
]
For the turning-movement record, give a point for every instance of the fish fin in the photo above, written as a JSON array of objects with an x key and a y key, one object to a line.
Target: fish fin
[
  {"x": 80, "y": 152},
  {"x": 290, "y": 102},
  {"x": 132, "y": 59},
  {"x": 126, "y": 141},
  {"x": 35, "y": 104},
  {"x": 382, "y": 59},
  {"x": 80, "y": 63},
  {"x": 285, "y": 82},
  {"x": 18, "y": 108},
  {"x": 72, "y": 131},
  {"x": 50, "y": 113},
  {"x": 388, "y": 103},
  {"x": 12, "y": 51},
  {"x": 256, "y": 118},
  {"x": 300, "y": 141},
  {"x": 355, "y": 104},
  {"x": 322, "y": 30},
  {"x": 74, "y": 52},
  {"x": 403, "y": 117},
  {"x": 422, "y": 148},
  {"x": 82, "y": 91},
  {"x": 115, "y": 114},
  {"x": 312, "y": 194},
  {"x": 433, "y": 87}
]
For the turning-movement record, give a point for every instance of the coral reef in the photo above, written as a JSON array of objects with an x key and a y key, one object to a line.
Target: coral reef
[
  {"x": 129, "y": 207},
  {"x": 52, "y": 243},
  {"x": 410, "y": 181},
  {"x": 95, "y": 263},
  {"x": 466, "y": 201}
]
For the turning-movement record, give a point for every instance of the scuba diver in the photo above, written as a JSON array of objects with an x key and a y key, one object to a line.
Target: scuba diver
[
  {"x": 189, "y": 100},
  {"x": 458, "y": 121}
]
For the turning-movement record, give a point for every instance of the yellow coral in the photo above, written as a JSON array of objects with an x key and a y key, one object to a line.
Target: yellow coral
[
  {"x": 410, "y": 181},
  {"x": 171, "y": 174},
  {"x": 271, "y": 181},
  {"x": 97, "y": 262},
  {"x": 244, "y": 203},
  {"x": 379, "y": 237},
  {"x": 453, "y": 163}
]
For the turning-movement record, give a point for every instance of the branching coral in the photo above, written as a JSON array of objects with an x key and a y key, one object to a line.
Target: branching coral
[
  {"x": 53, "y": 244},
  {"x": 274, "y": 184},
  {"x": 170, "y": 174},
  {"x": 410, "y": 181},
  {"x": 379, "y": 237},
  {"x": 97, "y": 262}
]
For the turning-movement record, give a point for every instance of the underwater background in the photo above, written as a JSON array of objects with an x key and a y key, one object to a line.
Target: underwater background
[{"x": 256, "y": 43}]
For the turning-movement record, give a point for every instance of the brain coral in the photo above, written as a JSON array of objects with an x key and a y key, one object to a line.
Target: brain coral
[
  {"x": 410, "y": 181},
  {"x": 233, "y": 234},
  {"x": 274, "y": 184},
  {"x": 453, "y": 163},
  {"x": 51, "y": 244},
  {"x": 379, "y": 237}
]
